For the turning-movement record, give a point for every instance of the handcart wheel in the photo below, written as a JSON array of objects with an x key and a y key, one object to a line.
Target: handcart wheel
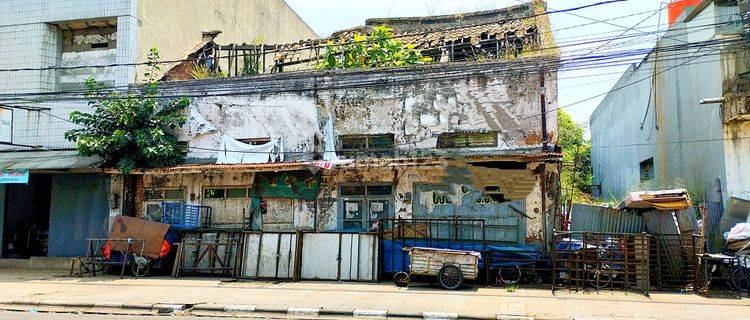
[
  {"x": 599, "y": 279},
  {"x": 401, "y": 279},
  {"x": 509, "y": 275},
  {"x": 450, "y": 277},
  {"x": 141, "y": 267}
]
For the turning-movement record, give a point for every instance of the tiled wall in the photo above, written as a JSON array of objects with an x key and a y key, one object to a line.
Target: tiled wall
[{"x": 30, "y": 38}]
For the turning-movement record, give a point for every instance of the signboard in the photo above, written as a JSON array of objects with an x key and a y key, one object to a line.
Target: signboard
[
  {"x": 14, "y": 176},
  {"x": 6, "y": 125}
]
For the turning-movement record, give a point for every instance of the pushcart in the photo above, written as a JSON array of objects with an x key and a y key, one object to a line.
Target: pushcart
[{"x": 451, "y": 267}]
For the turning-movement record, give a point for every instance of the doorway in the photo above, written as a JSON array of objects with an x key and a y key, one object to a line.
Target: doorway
[{"x": 26, "y": 218}]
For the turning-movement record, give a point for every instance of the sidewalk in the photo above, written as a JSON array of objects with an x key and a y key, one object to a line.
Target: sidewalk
[{"x": 310, "y": 299}]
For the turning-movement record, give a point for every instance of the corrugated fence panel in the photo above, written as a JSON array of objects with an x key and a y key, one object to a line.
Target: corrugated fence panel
[
  {"x": 587, "y": 218},
  {"x": 269, "y": 255},
  {"x": 714, "y": 237},
  {"x": 321, "y": 252}
]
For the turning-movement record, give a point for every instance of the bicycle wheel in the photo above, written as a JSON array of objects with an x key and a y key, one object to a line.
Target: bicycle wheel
[
  {"x": 740, "y": 278},
  {"x": 598, "y": 278},
  {"x": 509, "y": 275}
]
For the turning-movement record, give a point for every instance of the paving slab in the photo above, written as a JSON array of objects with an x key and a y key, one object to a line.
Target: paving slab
[{"x": 308, "y": 297}]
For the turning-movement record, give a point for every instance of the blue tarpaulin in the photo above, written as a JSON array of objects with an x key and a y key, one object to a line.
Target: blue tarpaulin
[{"x": 396, "y": 259}]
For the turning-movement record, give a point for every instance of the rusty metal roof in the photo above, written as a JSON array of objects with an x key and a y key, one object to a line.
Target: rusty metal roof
[
  {"x": 522, "y": 155},
  {"x": 41, "y": 160}
]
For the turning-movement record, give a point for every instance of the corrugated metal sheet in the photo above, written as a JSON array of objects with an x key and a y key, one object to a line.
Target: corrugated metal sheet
[
  {"x": 332, "y": 256},
  {"x": 66, "y": 159},
  {"x": 585, "y": 218},
  {"x": 325, "y": 256},
  {"x": 712, "y": 221},
  {"x": 78, "y": 210}
]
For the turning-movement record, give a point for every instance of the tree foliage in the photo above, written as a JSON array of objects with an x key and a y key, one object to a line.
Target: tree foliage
[
  {"x": 130, "y": 130},
  {"x": 378, "y": 49},
  {"x": 576, "y": 177}
]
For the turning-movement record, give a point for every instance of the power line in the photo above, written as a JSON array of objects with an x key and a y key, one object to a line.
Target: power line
[
  {"x": 668, "y": 143},
  {"x": 510, "y": 66},
  {"x": 317, "y": 46}
]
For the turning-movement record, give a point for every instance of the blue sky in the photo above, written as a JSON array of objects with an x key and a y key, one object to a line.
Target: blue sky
[{"x": 326, "y": 16}]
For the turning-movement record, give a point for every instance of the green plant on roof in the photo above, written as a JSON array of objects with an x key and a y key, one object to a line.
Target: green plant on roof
[
  {"x": 130, "y": 130},
  {"x": 376, "y": 50}
]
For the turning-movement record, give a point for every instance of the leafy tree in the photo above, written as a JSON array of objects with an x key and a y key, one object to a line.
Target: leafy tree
[
  {"x": 577, "y": 174},
  {"x": 130, "y": 130},
  {"x": 378, "y": 49}
]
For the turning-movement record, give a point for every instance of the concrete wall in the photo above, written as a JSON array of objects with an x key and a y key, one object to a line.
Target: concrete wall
[
  {"x": 413, "y": 194},
  {"x": 78, "y": 211},
  {"x": 413, "y": 186},
  {"x": 667, "y": 124},
  {"x": 737, "y": 158},
  {"x": 241, "y": 21},
  {"x": 420, "y": 104}
]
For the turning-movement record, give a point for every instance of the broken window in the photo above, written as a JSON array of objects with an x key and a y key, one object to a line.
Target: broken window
[
  {"x": 226, "y": 193},
  {"x": 164, "y": 194},
  {"x": 353, "y": 146},
  {"x": 255, "y": 141},
  {"x": 647, "y": 169},
  {"x": 467, "y": 140},
  {"x": 87, "y": 42}
]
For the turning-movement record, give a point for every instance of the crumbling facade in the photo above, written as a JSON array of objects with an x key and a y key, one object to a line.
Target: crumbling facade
[{"x": 53, "y": 47}]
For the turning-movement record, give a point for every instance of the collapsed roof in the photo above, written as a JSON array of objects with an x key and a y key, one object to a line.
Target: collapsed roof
[{"x": 509, "y": 33}]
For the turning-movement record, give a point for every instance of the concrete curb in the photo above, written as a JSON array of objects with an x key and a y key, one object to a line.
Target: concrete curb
[{"x": 187, "y": 309}]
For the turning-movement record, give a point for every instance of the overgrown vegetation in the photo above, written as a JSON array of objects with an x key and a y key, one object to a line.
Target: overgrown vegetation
[
  {"x": 130, "y": 130},
  {"x": 202, "y": 72},
  {"x": 576, "y": 177},
  {"x": 378, "y": 49}
]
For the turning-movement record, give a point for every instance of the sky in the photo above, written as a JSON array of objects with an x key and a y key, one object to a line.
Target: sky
[{"x": 327, "y": 16}]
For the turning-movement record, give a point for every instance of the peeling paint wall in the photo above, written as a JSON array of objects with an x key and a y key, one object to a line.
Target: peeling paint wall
[
  {"x": 291, "y": 117},
  {"x": 414, "y": 187},
  {"x": 416, "y": 109},
  {"x": 737, "y": 158},
  {"x": 419, "y": 111}
]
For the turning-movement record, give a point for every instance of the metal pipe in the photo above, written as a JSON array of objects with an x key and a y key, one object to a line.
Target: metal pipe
[
  {"x": 543, "y": 100},
  {"x": 711, "y": 100}
]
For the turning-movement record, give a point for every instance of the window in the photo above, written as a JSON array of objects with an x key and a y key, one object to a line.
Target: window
[
  {"x": 467, "y": 140},
  {"x": 255, "y": 141},
  {"x": 164, "y": 194},
  {"x": 362, "y": 205},
  {"x": 647, "y": 169},
  {"x": 366, "y": 145},
  {"x": 101, "y": 45},
  {"x": 226, "y": 193}
]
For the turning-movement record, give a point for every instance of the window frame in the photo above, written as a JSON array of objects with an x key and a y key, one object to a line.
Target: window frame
[
  {"x": 442, "y": 144},
  {"x": 163, "y": 191},
  {"x": 224, "y": 192},
  {"x": 367, "y": 141},
  {"x": 647, "y": 170},
  {"x": 364, "y": 221}
]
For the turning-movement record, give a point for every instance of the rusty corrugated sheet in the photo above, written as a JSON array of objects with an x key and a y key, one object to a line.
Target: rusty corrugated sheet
[
  {"x": 587, "y": 218},
  {"x": 712, "y": 221},
  {"x": 515, "y": 154}
]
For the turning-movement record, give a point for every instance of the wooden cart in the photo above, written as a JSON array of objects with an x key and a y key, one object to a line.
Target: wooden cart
[{"x": 450, "y": 267}]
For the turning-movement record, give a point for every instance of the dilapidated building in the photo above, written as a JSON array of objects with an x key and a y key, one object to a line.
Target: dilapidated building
[
  {"x": 51, "y": 47},
  {"x": 341, "y": 151},
  {"x": 284, "y": 147}
]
